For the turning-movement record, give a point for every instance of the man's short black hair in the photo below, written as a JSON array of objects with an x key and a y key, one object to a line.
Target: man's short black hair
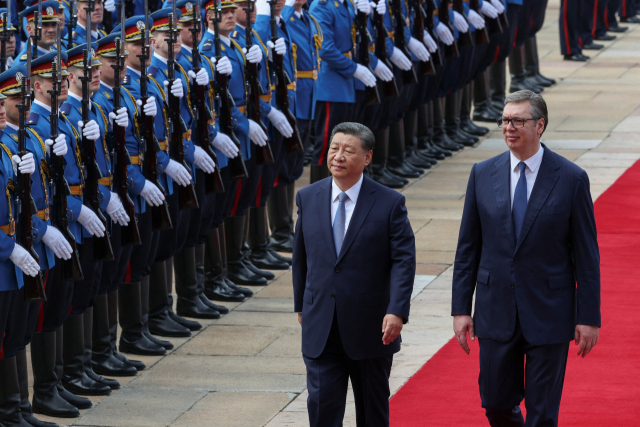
[{"x": 367, "y": 140}]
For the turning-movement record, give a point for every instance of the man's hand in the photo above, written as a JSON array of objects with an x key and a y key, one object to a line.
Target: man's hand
[
  {"x": 391, "y": 327},
  {"x": 300, "y": 318},
  {"x": 587, "y": 337},
  {"x": 461, "y": 324}
]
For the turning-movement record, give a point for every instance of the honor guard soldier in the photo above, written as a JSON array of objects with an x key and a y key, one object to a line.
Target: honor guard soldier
[
  {"x": 22, "y": 323},
  {"x": 63, "y": 13},
  {"x": 50, "y": 22},
  {"x": 79, "y": 35},
  {"x": 10, "y": 46},
  {"x": 15, "y": 261}
]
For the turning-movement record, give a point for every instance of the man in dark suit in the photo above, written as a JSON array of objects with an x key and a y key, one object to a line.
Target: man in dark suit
[
  {"x": 353, "y": 271},
  {"x": 528, "y": 234}
]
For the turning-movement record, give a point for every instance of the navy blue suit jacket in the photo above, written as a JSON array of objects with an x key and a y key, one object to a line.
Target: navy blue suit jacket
[
  {"x": 535, "y": 276},
  {"x": 371, "y": 277}
]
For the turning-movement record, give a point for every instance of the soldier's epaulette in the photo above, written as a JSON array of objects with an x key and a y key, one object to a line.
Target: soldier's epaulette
[
  {"x": 23, "y": 57},
  {"x": 103, "y": 32},
  {"x": 126, "y": 80},
  {"x": 106, "y": 94},
  {"x": 322, "y": 1},
  {"x": 152, "y": 71},
  {"x": 65, "y": 108},
  {"x": 235, "y": 34},
  {"x": 205, "y": 47},
  {"x": 33, "y": 119}
]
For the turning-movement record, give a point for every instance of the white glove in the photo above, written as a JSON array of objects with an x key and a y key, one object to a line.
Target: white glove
[
  {"x": 178, "y": 173},
  {"x": 150, "y": 108},
  {"x": 289, "y": 2},
  {"x": 418, "y": 49},
  {"x": 280, "y": 46},
  {"x": 254, "y": 55},
  {"x": 363, "y": 6},
  {"x": 262, "y": 7},
  {"x": 224, "y": 66},
  {"x": 26, "y": 165},
  {"x": 59, "y": 147},
  {"x": 488, "y": 10},
  {"x": 400, "y": 59},
  {"x": 202, "y": 78},
  {"x": 383, "y": 72},
  {"x": 256, "y": 134},
  {"x": 25, "y": 262},
  {"x": 152, "y": 194},
  {"x": 475, "y": 19},
  {"x": 92, "y": 131},
  {"x": 432, "y": 46},
  {"x": 381, "y": 7},
  {"x": 116, "y": 210},
  {"x": 176, "y": 89},
  {"x": 444, "y": 33},
  {"x": 57, "y": 243},
  {"x": 223, "y": 143},
  {"x": 498, "y": 5},
  {"x": 365, "y": 76},
  {"x": 204, "y": 162},
  {"x": 121, "y": 118},
  {"x": 280, "y": 122},
  {"x": 460, "y": 23},
  {"x": 110, "y": 5},
  {"x": 91, "y": 222}
]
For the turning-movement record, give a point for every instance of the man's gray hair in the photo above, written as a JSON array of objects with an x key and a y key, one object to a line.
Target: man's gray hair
[
  {"x": 367, "y": 140},
  {"x": 538, "y": 105}
]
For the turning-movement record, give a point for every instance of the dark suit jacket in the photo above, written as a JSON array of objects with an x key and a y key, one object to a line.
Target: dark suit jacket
[
  {"x": 371, "y": 277},
  {"x": 537, "y": 274}
]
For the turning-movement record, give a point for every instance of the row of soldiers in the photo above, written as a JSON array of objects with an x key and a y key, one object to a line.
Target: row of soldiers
[{"x": 166, "y": 149}]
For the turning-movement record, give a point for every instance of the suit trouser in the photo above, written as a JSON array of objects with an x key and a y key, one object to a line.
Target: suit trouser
[
  {"x": 525, "y": 20},
  {"x": 328, "y": 378},
  {"x": 503, "y": 374},
  {"x": 328, "y": 115},
  {"x": 569, "y": 22},
  {"x": 539, "y": 10},
  {"x": 627, "y": 8},
  {"x": 509, "y": 34}
]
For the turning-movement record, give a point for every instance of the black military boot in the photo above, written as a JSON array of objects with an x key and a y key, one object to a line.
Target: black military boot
[
  {"x": 160, "y": 321},
  {"x": 440, "y": 137},
  {"x": 318, "y": 172},
  {"x": 413, "y": 156},
  {"x": 532, "y": 64},
  {"x": 23, "y": 381},
  {"x": 452, "y": 121},
  {"x": 498, "y": 84},
  {"x": 380, "y": 172},
  {"x": 246, "y": 250},
  {"x": 46, "y": 399},
  {"x": 225, "y": 263},
  {"x": 87, "y": 323},
  {"x": 518, "y": 77},
  {"x": 77, "y": 401},
  {"x": 258, "y": 239},
  {"x": 192, "y": 325},
  {"x": 424, "y": 133},
  {"x": 103, "y": 361},
  {"x": 112, "y": 301},
  {"x": 465, "y": 113},
  {"x": 200, "y": 261},
  {"x": 396, "y": 162},
  {"x": 75, "y": 379},
  {"x": 215, "y": 287},
  {"x": 10, "y": 415},
  {"x": 189, "y": 303},
  {"x": 132, "y": 339},
  {"x": 238, "y": 272},
  {"x": 483, "y": 111},
  {"x": 278, "y": 210}
]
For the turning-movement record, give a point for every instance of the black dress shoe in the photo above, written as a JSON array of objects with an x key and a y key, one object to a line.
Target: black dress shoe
[
  {"x": 194, "y": 307},
  {"x": 431, "y": 159},
  {"x": 263, "y": 259},
  {"x": 112, "y": 384},
  {"x": 279, "y": 257},
  {"x": 631, "y": 20},
  {"x": 220, "y": 291},
  {"x": 460, "y": 138},
  {"x": 162, "y": 324},
  {"x": 113, "y": 367},
  {"x": 471, "y": 128},
  {"x": 386, "y": 179},
  {"x": 34, "y": 422},
  {"x": 539, "y": 79},
  {"x": 578, "y": 57},
  {"x": 404, "y": 171},
  {"x": 521, "y": 83},
  {"x": 413, "y": 167},
  {"x": 167, "y": 345},
  {"x": 605, "y": 38},
  {"x": 592, "y": 46},
  {"x": 219, "y": 308},
  {"x": 616, "y": 29},
  {"x": 416, "y": 160},
  {"x": 471, "y": 137},
  {"x": 266, "y": 274},
  {"x": 239, "y": 274},
  {"x": 140, "y": 366},
  {"x": 142, "y": 346},
  {"x": 281, "y": 244},
  {"x": 248, "y": 293},
  {"x": 192, "y": 325},
  {"x": 77, "y": 401}
]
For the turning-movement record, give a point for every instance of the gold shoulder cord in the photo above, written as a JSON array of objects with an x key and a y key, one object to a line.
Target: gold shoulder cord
[
  {"x": 211, "y": 94},
  {"x": 10, "y": 186},
  {"x": 104, "y": 139},
  {"x": 186, "y": 78},
  {"x": 237, "y": 46},
  {"x": 135, "y": 119},
  {"x": 317, "y": 40},
  {"x": 44, "y": 168},
  {"x": 78, "y": 153},
  {"x": 255, "y": 33},
  {"x": 164, "y": 106}
]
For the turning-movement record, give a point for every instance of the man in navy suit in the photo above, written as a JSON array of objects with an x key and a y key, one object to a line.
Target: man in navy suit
[
  {"x": 353, "y": 271},
  {"x": 528, "y": 234}
]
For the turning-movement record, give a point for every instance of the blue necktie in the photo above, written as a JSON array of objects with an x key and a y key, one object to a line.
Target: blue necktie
[
  {"x": 519, "y": 201},
  {"x": 339, "y": 222}
]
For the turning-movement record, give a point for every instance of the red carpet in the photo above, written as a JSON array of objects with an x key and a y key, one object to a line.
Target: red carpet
[{"x": 601, "y": 390}]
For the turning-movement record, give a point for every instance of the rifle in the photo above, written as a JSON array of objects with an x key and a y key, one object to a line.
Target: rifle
[
  {"x": 430, "y": 9},
  {"x": 73, "y": 21},
  {"x": 464, "y": 38},
  {"x": 201, "y": 113},
  {"x": 254, "y": 90},
  {"x": 224, "y": 101},
  {"x": 363, "y": 39},
  {"x": 494, "y": 25},
  {"x": 389, "y": 88},
  {"x": 71, "y": 269},
  {"x": 400, "y": 42},
  {"x": 38, "y": 31},
  {"x": 450, "y": 51},
  {"x": 427, "y": 68},
  {"x": 25, "y": 205},
  {"x": 282, "y": 80},
  {"x": 187, "y": 195},
  {"x": 160, "y": 216},
  {"x": 482, "y": 36}
]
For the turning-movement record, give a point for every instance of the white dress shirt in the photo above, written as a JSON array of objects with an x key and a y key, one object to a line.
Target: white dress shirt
[
  {"x": 530, "y": 172},
  {"x": 349, "y": 204}
]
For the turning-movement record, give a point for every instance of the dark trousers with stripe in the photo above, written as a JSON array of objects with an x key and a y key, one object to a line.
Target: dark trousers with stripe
[
  {"x": 628, "y": 8},
  {"x": 525, "y": 22},
  {"x": 246, "y": 188},
  {"x": 54, "y": 311},
  {"x": 569, "y": 23},
  {"x": 198, "y": 226},
  {"x": 22, "y": 318},
  {"x": 85, "y": 290},
  {"x": 112, "y": 273},
  {"x": 5, "y": 302},
  {"x": 539, "y": 10},
  {"x": 142, "y": 256},
  {"x": 588, "y": 14},
  {"x": 328, "y": 115},
  {"x": 293, "y": 163},
  {"x": 599, "y": 18},
  {"x": 613, "y": 6},
  {"x": 509, "y": 34}
]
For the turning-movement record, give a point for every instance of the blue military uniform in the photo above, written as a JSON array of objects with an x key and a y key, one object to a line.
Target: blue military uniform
[{"x": 49, "y": 14}]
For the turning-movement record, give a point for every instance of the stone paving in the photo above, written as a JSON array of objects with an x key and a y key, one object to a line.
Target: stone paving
[{"x": 246, "y": 370}]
